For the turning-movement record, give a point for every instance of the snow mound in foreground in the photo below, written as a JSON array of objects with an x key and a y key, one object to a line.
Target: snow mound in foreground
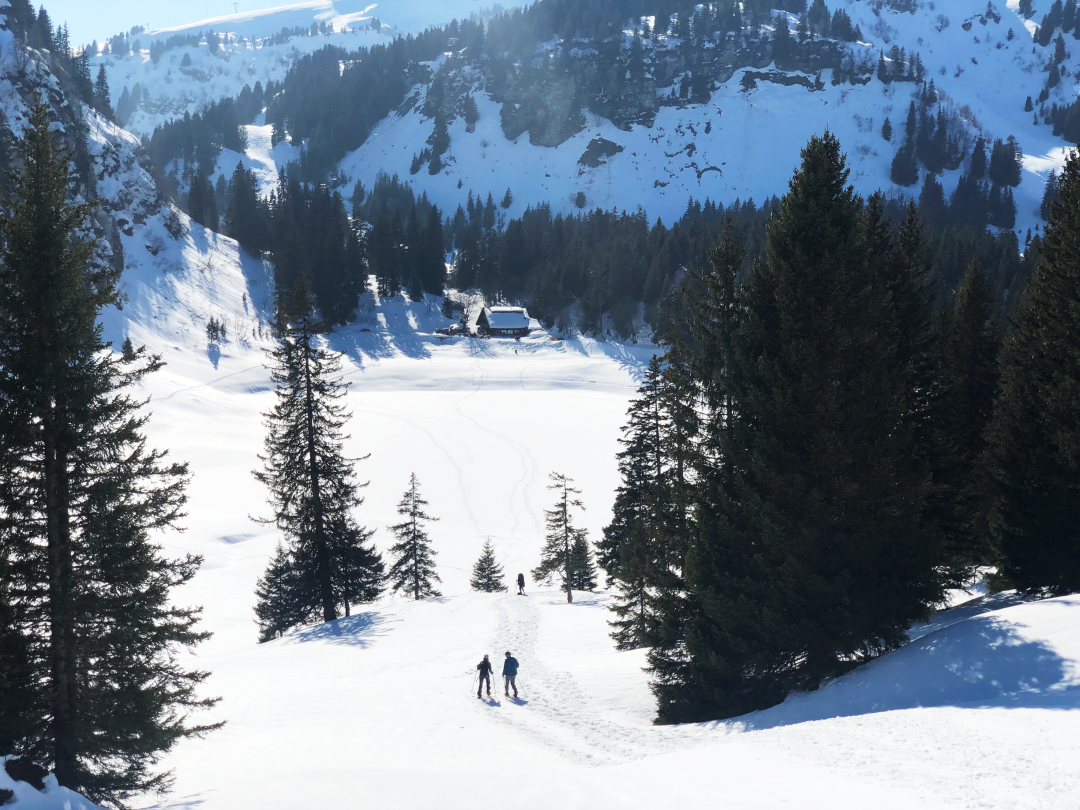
[
  {"x": 1027, "y": 655},
  {"x": 53, "y": 797}
]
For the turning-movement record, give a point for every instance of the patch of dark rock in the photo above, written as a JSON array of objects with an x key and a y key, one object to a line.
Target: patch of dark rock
[{"x": 597, "y": 152}]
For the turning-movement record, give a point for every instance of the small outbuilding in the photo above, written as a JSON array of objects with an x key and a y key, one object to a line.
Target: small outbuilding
[{"x": 503, "y": 322}]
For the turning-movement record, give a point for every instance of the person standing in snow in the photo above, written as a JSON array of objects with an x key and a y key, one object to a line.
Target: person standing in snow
[
  {"x": 485, "y": 669},
  {"x": 510, "y": 668},
  {"x": 521, "y": 584}
]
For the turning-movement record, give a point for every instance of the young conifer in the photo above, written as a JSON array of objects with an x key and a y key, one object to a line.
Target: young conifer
[
  {"x": 487, "y": 573},
  {"x": 1032, "y": 439},
  {"x": 80, "y": 496},
  {"x": 312, "y": 485},
  {"x": 413, "y": 570},
  {"x": 557, "y": 556},
  {"x": 582, "y": 566}
]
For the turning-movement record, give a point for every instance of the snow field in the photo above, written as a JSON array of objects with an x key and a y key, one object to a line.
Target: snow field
[{"x": 981, "y": 711}]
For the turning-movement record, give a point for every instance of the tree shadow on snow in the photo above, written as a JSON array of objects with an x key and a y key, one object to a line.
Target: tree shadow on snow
[
  {"x": 980, "y": 662},
  {"x": 358, "y": 631},
  {"x": 186, "y": 803}
]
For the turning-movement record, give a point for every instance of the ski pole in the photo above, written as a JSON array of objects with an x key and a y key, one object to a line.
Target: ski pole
[{"x": 474, "y": 682}]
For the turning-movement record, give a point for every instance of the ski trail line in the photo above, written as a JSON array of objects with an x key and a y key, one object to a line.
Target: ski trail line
[{"x": 556, "y": 712}]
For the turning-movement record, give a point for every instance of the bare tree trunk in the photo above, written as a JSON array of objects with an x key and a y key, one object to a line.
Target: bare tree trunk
[
  {"x": 322, "y": 553},
  {"x": 61, "y": 608}
]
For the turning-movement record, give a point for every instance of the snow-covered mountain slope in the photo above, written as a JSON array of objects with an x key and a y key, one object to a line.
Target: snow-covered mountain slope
[
  {"x": 405, "y": 18},
  {"x": 378, "y": 707},
  {"x": 746, "y": 142},
  {"x": 187, "y": 76},
  {"x": 743, "y": 142},
  {"x": 175, "y": 273}
]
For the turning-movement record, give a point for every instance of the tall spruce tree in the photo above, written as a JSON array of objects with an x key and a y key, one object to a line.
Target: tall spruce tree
[
  {"x": 819, "y": 558},
  {"x": 1033, "y": 437},
  {"x": 969, "y": 381},
  {"x": 558, "y": 556},
  {"x": 81, "y": 493},
  {"x": 413, "y": 570},
  {"x": 312, "y": 485},
  {"x": 628, "y": 551},
  {"x": 487, "y": 575}
]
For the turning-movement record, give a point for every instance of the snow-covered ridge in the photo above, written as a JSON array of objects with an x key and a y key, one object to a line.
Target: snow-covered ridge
[{"x": 170, "y": 87}]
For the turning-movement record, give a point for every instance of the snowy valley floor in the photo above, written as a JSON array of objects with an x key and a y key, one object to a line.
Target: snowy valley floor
[{"x": 982, "y": 710}]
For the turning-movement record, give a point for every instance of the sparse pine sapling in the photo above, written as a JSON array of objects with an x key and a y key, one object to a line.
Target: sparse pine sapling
[
  {"x": 557, "y": 557},
  {"x": 413, "y": 570}
]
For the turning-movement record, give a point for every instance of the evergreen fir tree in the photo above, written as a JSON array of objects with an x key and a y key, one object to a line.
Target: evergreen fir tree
[
  {"x": 413, "y": 570},
  {"x": 970, "y": 380},
  {"x": 279, "y": 605},
  {"x": 312, "y": 486},
  {"x": 80, "y": 495},
  {"x": 487, "y": 574},
  {"x": 557, "y": 557},
  {"x": 102, "y": 99},
  {"x": 905, "y": 169},
  {"x": 244, "y": 220},
  {"x": 582, "y": 566},
  {"x": 1031, "y": 458},
  {"x": 627, "y": 550}
]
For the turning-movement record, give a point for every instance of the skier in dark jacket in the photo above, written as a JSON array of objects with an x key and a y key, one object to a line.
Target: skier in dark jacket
[
  {"x": 485, "y": 668},
  {"x": 510, "y": 668},
  {"x": 521, "y": 584}
]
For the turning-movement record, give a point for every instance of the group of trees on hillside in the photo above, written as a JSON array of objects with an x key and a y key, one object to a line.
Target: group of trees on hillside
[
  {"x": 819, "y": 453},
  {"x": 327, "y": 564}
]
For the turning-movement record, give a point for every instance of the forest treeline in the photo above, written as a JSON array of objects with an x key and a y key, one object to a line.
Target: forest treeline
[
  {"x": 596, "y": 271},
  {"x": 822, "y": 450}
]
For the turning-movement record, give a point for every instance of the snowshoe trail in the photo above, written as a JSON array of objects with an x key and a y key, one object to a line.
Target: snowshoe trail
[{"x": 555, "y": 710}]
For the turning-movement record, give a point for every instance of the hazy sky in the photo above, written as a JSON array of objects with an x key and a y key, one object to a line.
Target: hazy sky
[{"x": 98, "y": 19}]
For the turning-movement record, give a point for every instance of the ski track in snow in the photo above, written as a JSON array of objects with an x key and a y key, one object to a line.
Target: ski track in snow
[{"x": 556, "y": 712}]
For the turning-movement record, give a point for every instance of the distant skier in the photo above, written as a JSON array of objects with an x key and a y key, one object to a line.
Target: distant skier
[
  {"x": 510, "y": 668},
  {"x": 521, "y": 584},
  {"x": 485, "y": 669}
]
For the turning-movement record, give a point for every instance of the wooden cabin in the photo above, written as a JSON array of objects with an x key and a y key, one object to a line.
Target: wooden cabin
[{"x": 503, "y": 322}]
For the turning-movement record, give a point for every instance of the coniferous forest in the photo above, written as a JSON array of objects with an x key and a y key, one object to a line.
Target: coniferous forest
[{"x": 822, "y": 449}]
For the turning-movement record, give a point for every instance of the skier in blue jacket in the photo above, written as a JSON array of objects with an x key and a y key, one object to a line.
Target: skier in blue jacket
[{"x": 510, "y": 668}]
